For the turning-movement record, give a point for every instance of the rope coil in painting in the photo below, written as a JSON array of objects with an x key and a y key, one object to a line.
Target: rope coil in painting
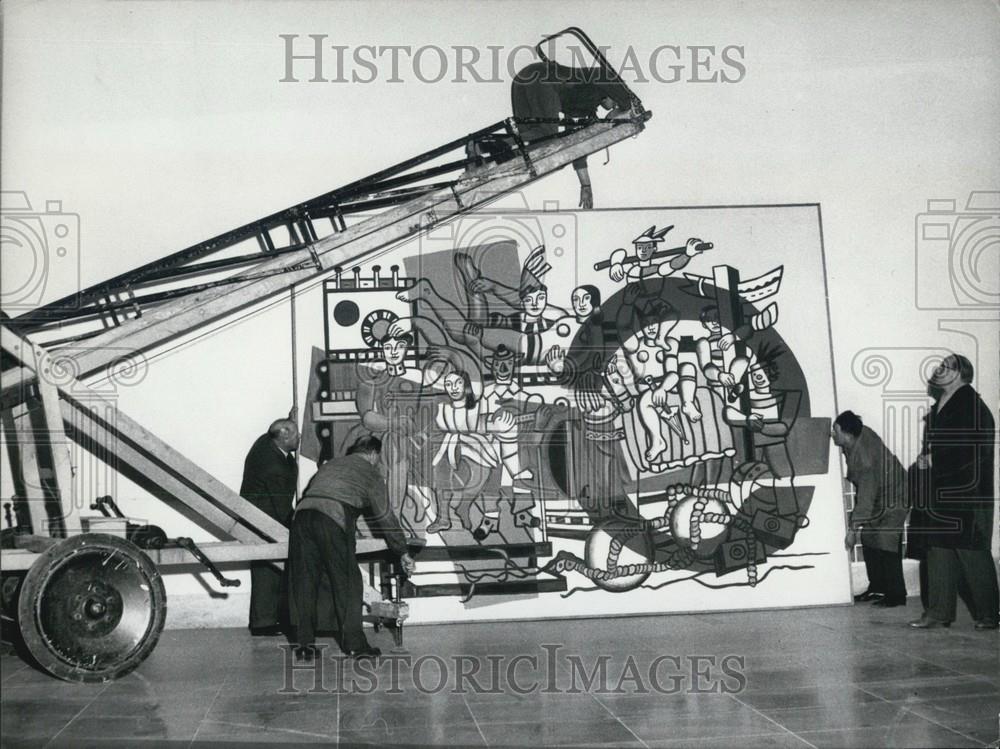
[{"x": 684, "y": 554}]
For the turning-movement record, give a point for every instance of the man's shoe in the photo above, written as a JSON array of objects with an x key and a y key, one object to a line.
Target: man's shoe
[
  {"x": 366, "y": 653},
  {"x": 305, "y": 653},
  {"x": 984, "y": 624},
  {"x": 925, "y": 623},
  {"x": 888, "y": 603},
  {"x": 868, "y": 595},
  {"x": 272, "y": 630}
]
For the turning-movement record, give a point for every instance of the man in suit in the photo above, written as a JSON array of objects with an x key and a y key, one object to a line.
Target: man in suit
[
  {"x": 269, "y": 479},
  {"x": 879, "y": 508},
  {"x": 958, "y": 455}
]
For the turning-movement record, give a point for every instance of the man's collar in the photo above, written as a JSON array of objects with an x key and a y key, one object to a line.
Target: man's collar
[
  {"x": 851, "y": 446},
  {"x": 396, "y": 370},
  {"x": 945, "y": 397}
]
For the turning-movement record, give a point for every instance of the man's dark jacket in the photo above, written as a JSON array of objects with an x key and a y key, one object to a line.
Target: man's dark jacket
[
  {"x": 269, "y": 479},
  {"x": 960, "y": 440}
]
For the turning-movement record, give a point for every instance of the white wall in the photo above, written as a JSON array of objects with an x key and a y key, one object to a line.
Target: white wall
[{"x": 162, "y": 124}]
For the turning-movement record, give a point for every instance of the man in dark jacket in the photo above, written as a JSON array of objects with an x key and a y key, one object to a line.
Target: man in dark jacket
[
  {"x": 544, "y": 90},
  {"x": 958, "y": 454},
  {"x": 879, "y": 508},
  {"x": 269, "y": 477},
  {"x": 323, "y": 542}
]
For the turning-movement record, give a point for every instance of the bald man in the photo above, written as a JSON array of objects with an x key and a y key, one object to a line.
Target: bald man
[{"x": 269, "y": 477}]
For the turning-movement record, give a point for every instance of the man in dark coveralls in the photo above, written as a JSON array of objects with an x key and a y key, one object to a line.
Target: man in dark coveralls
[
  {"x": 958, "y": 456},
  {"x": 544, "y": 90},
  {"x": 269, "y": 476},
  {"x": 323, "y": 542},
  {"x": 880, "y": 508}
]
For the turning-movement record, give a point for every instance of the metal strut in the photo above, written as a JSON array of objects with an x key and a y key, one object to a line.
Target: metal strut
[
  {"x": 186, "y": 543},
  {"x": 147, "y": 307}
]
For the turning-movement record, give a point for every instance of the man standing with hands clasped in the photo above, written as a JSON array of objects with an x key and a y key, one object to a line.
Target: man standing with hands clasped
[
  {"x": 879, "y": 508},
  {"x": 269, "y": 478},
  {"x": 323, "y": 542},
  {"x": 958, "y": 524}
]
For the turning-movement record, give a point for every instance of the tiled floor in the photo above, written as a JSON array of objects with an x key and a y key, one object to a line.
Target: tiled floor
[{"x": 825, "y": 677}]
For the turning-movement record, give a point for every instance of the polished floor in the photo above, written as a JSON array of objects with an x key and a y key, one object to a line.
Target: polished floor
[{"x": 823, "y": 677}]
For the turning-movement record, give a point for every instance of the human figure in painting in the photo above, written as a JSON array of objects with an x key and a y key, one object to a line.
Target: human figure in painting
[
  {"x": 652, "y": 356},
  {"x": 481, "y": 329},
  {"x": 584, "y": 319},
  {"x": 599, "y": 463},
  {"x": 711, "y": 349},
  {"x": 643, "y": 265},
  {"x": 582, "y": 337},
  {"x": 596, "y": 458},
  {"x": 504, "y": 396},
  {"x": 530, "y": 313},
  {"x": 466, "y": 456},
  {"x": 392, "y": 406},
  {"x": 770, "y": 416}
]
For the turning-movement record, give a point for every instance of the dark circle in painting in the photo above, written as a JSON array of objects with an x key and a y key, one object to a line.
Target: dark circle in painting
[{"x": 346, "y": 313}]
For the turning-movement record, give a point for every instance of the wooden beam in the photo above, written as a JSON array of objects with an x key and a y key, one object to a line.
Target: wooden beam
[
  {"x": 220, "y": 552},
  {"x": 170, "y": 320},
  {"x": 13, "y": 379},
  {"x": 123, "y": 451},
  {"x": 31, "y": 477},
  {"x": 58, "y": 445},
  {"x": 264, "y": 526}
]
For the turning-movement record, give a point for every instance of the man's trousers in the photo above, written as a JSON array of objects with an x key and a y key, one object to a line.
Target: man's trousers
[
  {"x": 318, "y": 547},
  {"x": 267, "y": 596},
  {"x": 885, "y": 573},
  {"x": 946, "y": 567}
]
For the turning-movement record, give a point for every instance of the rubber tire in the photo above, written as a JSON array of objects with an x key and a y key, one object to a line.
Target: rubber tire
[{"x": 33, "y": 592}]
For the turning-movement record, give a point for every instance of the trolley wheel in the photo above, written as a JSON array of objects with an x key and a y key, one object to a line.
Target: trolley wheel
[{"x": 91, "y": 608}]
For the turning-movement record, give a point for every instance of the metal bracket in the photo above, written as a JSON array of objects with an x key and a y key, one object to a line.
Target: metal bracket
[
  {"x": 519, "y": 143},
  {"x": 186, "y": 543},
  {"x": 314, "y": 256}
]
